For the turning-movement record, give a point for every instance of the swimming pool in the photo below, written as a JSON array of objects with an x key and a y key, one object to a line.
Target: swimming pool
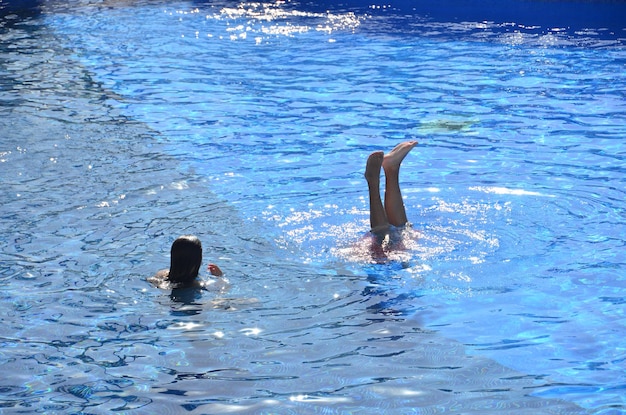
[{"x": 126, "y": 124}]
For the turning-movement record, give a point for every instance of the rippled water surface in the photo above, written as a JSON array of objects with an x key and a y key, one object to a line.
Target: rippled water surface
[{"x": 126, "y": 124}]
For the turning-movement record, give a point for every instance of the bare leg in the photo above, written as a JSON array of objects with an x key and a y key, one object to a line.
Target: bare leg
[
  {"x": 394, "y": 205},
  {"x": 378, "y": 217}
]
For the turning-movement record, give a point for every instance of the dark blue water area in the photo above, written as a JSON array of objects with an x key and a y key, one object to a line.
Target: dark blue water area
[
  {"x": 252, "y": 124},
  {"x": 567, "y": 15}
]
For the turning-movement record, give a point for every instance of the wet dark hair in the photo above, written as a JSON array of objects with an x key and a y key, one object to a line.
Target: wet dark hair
[{"x": 185, "y": 260}]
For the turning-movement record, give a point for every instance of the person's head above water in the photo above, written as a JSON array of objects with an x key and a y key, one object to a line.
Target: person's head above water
[{"x": 185, "y": 260}]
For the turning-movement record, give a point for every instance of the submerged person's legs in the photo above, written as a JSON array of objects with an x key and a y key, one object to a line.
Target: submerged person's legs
[{"x": 393, "y": 211}]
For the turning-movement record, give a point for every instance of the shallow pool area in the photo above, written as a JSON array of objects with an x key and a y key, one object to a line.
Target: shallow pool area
[{"x": 126, "y": 124}]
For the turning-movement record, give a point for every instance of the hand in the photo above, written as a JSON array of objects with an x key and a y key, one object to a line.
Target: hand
[{"x": 215, "y": 270}]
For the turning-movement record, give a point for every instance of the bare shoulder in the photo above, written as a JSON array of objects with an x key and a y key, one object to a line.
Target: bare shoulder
[{"x": 160, "y": 278}]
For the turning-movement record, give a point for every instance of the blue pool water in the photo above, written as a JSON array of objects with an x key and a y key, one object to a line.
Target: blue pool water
[{"x": 126, "y": 124}]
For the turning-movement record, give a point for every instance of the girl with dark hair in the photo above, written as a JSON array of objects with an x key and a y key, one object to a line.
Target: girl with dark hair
[{"x": 185, "y": 262}]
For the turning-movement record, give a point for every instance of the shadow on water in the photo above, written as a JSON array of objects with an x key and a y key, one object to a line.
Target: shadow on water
[
  {"x": 186, "y": 297},
  {"x": 19, "y": 6},
  {"x": 14, "y": 11}
]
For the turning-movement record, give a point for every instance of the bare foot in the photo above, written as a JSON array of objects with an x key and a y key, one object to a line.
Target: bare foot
[
  {"x": 394, "y": 158},
  {"x": 372, "y": 168}
]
